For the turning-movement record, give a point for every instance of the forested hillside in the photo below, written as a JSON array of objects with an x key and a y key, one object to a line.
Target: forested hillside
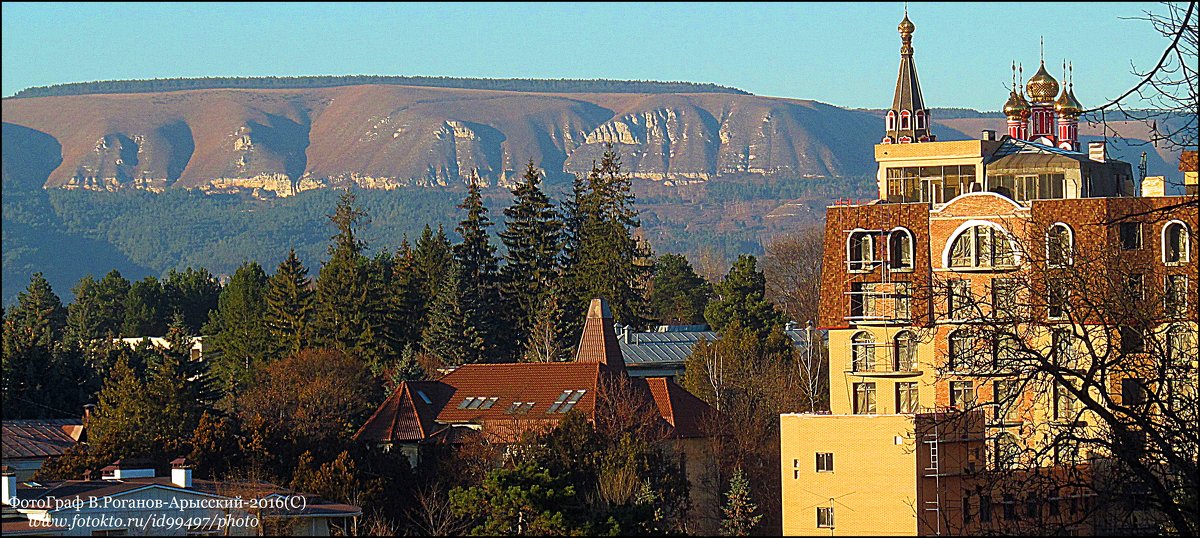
[{"x": 309, "y": 82}]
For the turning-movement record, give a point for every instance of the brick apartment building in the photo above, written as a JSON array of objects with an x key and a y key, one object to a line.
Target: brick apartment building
[{"x": 966, "y": 233}]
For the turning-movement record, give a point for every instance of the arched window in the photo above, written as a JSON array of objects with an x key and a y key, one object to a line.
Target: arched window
[
  {"x": 905, "y": 352},
  {"x": 862, "y": 352},
  {"x": 1176, "y": 243},
  {"x": 900, "y": 249},
  {"x": 891, "y": 120},
  {"x": 1060, "y": 243},
  {"x": 904, "y": 120},
  {"x": 860, "y": 251},
  {"x": 920, "y": 119},
  {"x": 980, "y": 247}
]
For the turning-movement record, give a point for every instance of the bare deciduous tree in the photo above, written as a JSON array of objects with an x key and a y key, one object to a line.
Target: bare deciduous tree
[
  {"x": 1090, "y": 360},
  {"x": 792, "y": 266}
]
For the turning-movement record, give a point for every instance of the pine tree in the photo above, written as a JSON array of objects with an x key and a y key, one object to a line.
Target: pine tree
[
  {"x": 741, "y": 296},
  {"x": 450, "y": 336},
  {"x": 289, "y": 305},
  {"x": 738, "y": 513},
  {"x": 476, "y": 258},
  {"x": 533, "y": 240},
  {"x": 238, "y": 331}
]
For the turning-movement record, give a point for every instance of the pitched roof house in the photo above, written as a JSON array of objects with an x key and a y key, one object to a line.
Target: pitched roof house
[{"x": 501, "y": 401}]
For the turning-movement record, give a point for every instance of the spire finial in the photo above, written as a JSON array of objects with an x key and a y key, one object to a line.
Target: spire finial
[
  {"x": 1071, "y": 73},
  {"x": 1042, "y": 54},
  {"x": 1021, "y": 71}
]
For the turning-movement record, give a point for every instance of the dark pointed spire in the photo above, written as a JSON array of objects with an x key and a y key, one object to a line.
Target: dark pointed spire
[{"x": 908, "y": 120}]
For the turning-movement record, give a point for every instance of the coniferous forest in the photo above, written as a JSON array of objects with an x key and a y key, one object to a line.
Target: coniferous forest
[{"x": 297, "y": 357}]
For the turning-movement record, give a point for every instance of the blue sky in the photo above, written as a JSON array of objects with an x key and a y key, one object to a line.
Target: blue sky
[{"x": 840, "y": 53}]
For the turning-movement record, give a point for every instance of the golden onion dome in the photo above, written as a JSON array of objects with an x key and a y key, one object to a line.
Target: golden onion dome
[
  {"x": 906, "y": 26},
  {"x": 1042, "y": 88},
  {"x": 1067, "y": 104},
  {"x": 1016, "y": 107}
]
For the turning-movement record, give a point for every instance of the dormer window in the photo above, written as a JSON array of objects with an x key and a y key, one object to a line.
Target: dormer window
[
  {"x": 904, "y": 116},
  {"x": 920, "y": 119},
  {"x": 891, "y": 120}
]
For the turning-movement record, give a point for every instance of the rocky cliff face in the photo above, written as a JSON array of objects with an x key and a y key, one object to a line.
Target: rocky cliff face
[{"x": 280, "y": 142}]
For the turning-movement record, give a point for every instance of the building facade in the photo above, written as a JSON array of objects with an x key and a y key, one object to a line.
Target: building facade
[{"x": 979, "y": 257}]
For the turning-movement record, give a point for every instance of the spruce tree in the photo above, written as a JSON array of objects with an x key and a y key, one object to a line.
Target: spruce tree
[
  {"x": 84, "y": 323},
  {"x": 145, "y": 310},
  {"x": 449, "y": 335},
  {"x": 289, "y": 305},
  {"x": 193, "y": 294},
  {"x": 238, "y": 332},
  {"x": 678, "y": 295},
  {"x": 432, "y": 255},
  {"x": 111, "y": 293},
  {"x": 350, "y": 300},
  {"x": 37, "y": 381},
  {"x": 605, "y": 258},
  {"x": 738, "y": 518},
  {"x": 118, "y": 429},
  {"x": 404, "y": 298},
  {"x": 532, "y": 237},
  {"x": 476, "y": 258}
]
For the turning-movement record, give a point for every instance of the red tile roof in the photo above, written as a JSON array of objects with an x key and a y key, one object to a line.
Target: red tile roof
[
  {"x": 541, "y": 384},
  {"x": 680, "y": 408},
  {"x": 39, "y": 438},
  {"x": 408, "y": 414},
  {"x": 505, "y": 400}
]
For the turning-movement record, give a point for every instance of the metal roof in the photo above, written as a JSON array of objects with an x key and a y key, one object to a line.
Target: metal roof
[
  {"x": 673, "y": 347},
  {"x": 39, "y": 438}
]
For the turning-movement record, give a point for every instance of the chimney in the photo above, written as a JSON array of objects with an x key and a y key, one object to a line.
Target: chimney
[
  {"x": 1154, "y": 186},
  {"x": 181, "y": 472},
  {"x": 989, "y": 134},
  {"x": 599, "y": 340},
  {"x": 1097, "y": 151},
  {"x": 10, "y": 486},
  {"x": 625, "y": 334},
  {"x": 125, "y": 470}
]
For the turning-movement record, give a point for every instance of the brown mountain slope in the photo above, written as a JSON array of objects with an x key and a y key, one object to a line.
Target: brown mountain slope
[{"x": 393, "y": 136}]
